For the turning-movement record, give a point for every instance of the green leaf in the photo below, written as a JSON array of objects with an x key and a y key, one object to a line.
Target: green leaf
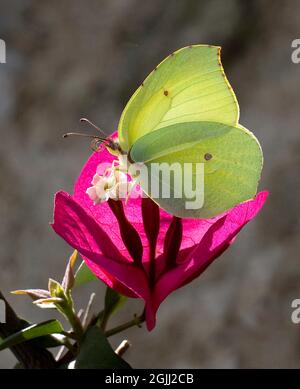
[
  {"x": 113, "y": 302},
  {"x": 32, "y": 332},
  {"x": 97, "y": 353},
  {"x": 56, "y": 289},
  {"x": 49, "y": 341},
  {"x": 27, "y": 353},
  {"x": 35, "y": 294},
  {"x": 69, "y": 280},
  {"x": 84, "y": 275},
  {"x": 48, "y": 303}
]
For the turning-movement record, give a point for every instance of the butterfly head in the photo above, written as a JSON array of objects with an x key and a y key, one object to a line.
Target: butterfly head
[{"x": 98, "y": 141}]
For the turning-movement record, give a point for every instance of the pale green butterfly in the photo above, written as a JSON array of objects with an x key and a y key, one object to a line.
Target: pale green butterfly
[{"x": 186, "y": 112}]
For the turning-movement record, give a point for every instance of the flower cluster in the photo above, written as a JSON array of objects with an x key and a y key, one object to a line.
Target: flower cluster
[{"x": 112, "y": 184}]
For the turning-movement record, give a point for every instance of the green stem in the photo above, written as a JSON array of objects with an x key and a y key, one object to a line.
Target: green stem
[
  {"x": 134, "y": 322},
  {"x": 75, "y": 322},
  {"x": 77, "y": 327},
  {"x": 70, "y": 335},
  {"x": 104, "y": 321},
  {"x": 71, "y": 348}
]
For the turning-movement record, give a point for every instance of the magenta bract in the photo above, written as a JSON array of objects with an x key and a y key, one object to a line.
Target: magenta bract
[{"x": 138, "y": 249}]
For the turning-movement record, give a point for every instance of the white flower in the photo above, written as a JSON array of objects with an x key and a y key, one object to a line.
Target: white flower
[{"x": 113, "y": 184}]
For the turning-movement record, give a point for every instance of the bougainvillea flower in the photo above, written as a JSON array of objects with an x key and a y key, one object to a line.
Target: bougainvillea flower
[{"x": 136, "y": 248}]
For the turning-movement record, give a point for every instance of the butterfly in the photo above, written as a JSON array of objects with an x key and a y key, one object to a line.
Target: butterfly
[{"x": 185, "y": 113}]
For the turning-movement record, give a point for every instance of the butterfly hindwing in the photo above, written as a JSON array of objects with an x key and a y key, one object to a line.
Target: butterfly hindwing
[{"x": 230, "y": 155}]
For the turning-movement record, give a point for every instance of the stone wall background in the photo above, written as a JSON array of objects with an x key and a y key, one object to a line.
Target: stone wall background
[{"x": 68, "y": 59}]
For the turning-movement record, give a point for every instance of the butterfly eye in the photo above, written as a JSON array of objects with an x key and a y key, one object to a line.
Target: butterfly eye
[
  {"x": 207, "y": 156},
  {"x": 96, "y": 143}
]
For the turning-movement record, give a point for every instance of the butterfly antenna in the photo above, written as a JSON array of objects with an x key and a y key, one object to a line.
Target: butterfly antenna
[
  {"x": 85, "y": 135},
  {"x": 85, "y": 120}
]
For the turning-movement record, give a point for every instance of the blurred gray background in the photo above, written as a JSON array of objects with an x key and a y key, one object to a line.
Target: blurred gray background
[{"x": 68, "y": 59}]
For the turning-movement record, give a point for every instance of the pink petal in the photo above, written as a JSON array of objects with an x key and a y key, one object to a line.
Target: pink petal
[
  {"x": 218, "y": 235},
  {"x": 108, "y": 279},
  {"x": 81, "y": 231}
]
